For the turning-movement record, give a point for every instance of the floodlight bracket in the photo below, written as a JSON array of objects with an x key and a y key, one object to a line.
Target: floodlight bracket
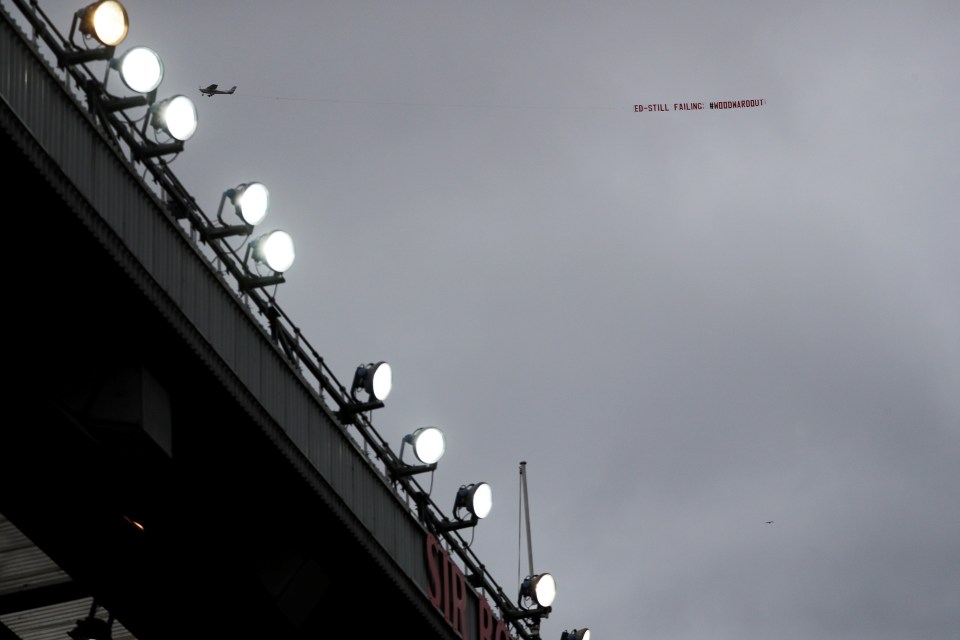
[
  {"x": 211, "y": 233},
  {"x": 153, "y": 150},
  {"x": 253, "y": 282},
  {"x": 475, "y": 580},
  {"x": 421, "y": 499},
  {"x": 178, "y": 209},
  {"x": 402, "y": 470},
  {"x": 360, "y": 407},
  {"x": 80, "y": 56},
  {"x": 453, "y": 525},
  {"x": 519, "y": 614},
  {"x": 349, "y": 411},
  {"x": 119, "y": 104}
]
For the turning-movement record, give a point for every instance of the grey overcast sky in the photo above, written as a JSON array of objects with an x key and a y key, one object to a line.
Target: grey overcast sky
[{"x": 687, "y": 322}]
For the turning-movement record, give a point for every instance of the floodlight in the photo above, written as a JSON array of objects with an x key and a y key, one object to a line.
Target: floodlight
[
  {"x": 250, "y": 201},
  {"x": 374, "y": 378},
  {"x": 176, "y": 116},
  {"x": 576, "y": 634},
  {"x": 428, "y": 445},
  {"x": 140, "y": 68},
  {"x": 274, "y": 249},
  {"x": 477, "y": 499},
  {"x": 105, "y": 21},
  {"x": 542, "y": 589}
]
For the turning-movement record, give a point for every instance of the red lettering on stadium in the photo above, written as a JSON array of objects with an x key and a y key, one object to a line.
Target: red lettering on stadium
[
  {"x": 448, "y": 587},
  {"x": 448, "y": 592}
]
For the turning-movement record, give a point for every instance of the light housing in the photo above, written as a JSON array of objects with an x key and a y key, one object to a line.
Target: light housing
[
  {"x": 540, "y": 588},
  {"x": 475, "y": 499},
  {"x": 176, "y": 116},
  {"x": 140, "y": 69},
  {"x": 428, "y": 445},
  {"x": 106, "y": 21},
  {"x": 375, "y": 378},
  {"x": 275, "y": 250},
  {"x": 251, "y": 202},
  {"x": 576, "y": 634}
]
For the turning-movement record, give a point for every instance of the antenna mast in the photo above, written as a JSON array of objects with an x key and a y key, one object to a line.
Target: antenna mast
[{"x": 526, "y": 508}]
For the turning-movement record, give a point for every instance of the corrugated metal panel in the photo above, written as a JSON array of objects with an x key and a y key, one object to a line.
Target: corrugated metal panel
[
  {"x": 24, "y": 567},
  {"x": 53, "y": 623},
  {"x": 297, "y": 421},
  {"x": 247, "y": 361}
]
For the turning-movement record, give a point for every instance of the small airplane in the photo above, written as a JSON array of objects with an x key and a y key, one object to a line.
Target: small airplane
[
  {"x": 769, "y": 521},
  {"x": 212, "y": 89}
]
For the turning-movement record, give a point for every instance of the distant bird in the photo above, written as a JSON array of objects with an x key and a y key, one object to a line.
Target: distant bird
[{"x": 769, "y": 521}]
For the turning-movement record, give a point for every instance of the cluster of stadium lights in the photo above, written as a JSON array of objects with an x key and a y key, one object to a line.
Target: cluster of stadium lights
[
  {"x": 251, "y": 202},
  {"x": 472, "y": 502},
  {"x": 141, "y": 70}
]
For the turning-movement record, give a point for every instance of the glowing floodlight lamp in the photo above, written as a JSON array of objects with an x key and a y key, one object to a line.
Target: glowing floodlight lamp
[
  {"x": 376, "y": 379},
  {"x": 141, "y": 70},
  {"x": 177, "y": 117},
  {"x": 105, "y": 21},
  {"x": 428, "y": 445},
  {"x": 250, "y": 201},
  {"x": 275, "y": 250},
  {"x": 541, "y": 589},
  {"x": 475, "y": 499},
  {"x": 576, "y": 634}
]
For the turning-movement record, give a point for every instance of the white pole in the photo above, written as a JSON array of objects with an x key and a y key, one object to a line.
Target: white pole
[{"x": 526, "y": 506}]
